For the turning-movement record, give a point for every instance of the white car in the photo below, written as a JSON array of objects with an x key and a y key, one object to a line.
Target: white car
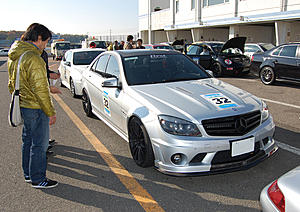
[
  {"x": 251, "y": 48},
  {"x": 72, "y": 65},
  {"x": 174, "y": 115},
  {"x": 4, "y": 52},
  {"x": 283, "y": 194}
]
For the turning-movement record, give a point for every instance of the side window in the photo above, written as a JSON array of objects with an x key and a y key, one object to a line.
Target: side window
[
  {"x": 101, "y": 64},
  {"x": 113, "y": 67},
  {"x": 94, "y": 65},
  {"x": 276, "y": 52},
  {"x": 68, "y": 56},
  {"x": 289, "y": 51},
  {"x": 251, "y": 48},
  {"x": 193, "y": 50}
]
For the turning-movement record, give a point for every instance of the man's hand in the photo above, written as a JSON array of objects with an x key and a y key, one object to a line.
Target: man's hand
[
  {"x": 54, "y": 90},
  {"x": 54, "y": 75},
  {"x": 52, "y": 120}
]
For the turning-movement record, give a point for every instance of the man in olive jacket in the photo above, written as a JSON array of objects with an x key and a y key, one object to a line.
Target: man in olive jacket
[{"x": 37, "y": 108}]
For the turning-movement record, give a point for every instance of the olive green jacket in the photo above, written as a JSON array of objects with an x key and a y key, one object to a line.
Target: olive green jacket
[{"x": 34, "y": 86}]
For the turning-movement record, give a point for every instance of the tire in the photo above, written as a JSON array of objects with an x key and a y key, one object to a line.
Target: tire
[
  {"x": 267, "y": 75},
  {"x": 140, "y": 144},
  {"x": 72, "y": 89},
  {"x": 86, "y": 103},
  {"x": 217, "y": 69}
]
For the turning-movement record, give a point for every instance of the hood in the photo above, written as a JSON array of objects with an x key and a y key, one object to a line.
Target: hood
[
  {"x": 19, "y": 47},
  {"x": 191, "y": 100},
  {"x": 237, "y": 42}
]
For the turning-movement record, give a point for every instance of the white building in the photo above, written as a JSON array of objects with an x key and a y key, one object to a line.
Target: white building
[{"x": 271, "y": 21}]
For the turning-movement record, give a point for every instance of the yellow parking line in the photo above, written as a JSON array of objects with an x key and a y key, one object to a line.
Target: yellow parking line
[{"x": 137, "y": 191}]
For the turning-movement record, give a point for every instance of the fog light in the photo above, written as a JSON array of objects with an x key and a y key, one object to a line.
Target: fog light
[{"x": 176, "y": 158}]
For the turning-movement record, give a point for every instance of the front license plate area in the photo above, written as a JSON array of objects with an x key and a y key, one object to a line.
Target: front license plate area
[{"x": 243, "y": 146}]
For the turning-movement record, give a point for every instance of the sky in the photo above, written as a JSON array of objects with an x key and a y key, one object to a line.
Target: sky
[{"x": 92, "y": 17}]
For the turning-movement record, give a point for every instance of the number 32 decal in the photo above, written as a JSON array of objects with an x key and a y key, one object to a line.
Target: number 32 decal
[{"x": 219, "y": 100}]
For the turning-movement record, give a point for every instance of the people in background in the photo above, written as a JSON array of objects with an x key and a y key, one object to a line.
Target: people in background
[
  {"x": 129, "y": 43},
  {"x": 121, "y": 46},
  {"x": 139, "y": 44},
  {"x": 116, "y": 45}
]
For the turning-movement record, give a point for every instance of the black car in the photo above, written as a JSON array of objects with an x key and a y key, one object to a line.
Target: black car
[
  {"x": 280, "y": 62},
  {"x": 219, "y": 57}
]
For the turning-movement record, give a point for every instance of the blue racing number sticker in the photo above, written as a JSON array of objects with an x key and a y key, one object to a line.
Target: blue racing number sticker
[
  {"x": 219, "y": 100},
  {"x": 106, "y": 103}
]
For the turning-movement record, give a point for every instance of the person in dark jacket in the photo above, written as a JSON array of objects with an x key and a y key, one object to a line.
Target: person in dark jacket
[
  {"x": 50, "y": 75},
  {"x": 140, "y": 44}
]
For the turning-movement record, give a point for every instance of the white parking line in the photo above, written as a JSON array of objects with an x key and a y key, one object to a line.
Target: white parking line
[
  {"x": 288, "y": 148},
  {"x": 281, "y": 103}
]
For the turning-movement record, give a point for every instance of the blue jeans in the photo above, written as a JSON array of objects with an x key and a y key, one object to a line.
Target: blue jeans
[{"x": 35, "y": 138}]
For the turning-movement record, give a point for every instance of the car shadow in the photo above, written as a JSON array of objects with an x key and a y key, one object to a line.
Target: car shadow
[{"x": 170, "y": 191}]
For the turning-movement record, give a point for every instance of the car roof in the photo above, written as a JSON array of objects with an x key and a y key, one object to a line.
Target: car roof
[
  {"x": 138, "y": 52},
  {"x": 86, "y": 49}
]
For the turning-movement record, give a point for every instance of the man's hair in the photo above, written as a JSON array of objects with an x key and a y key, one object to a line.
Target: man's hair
[
  {"x": 140, "y": 40},
  {"x": 34, "y": 31},
  {"x": 129, "y": 37}
]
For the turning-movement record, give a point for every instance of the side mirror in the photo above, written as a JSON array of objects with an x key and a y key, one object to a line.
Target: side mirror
[
  {"x": 68, "y": 63},
  {"x": 210, "y": 72},
  {"x": 111, "y": 83}
]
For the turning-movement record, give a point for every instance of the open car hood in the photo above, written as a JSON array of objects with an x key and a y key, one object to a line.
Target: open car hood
[{"x": 237, "y": 42}]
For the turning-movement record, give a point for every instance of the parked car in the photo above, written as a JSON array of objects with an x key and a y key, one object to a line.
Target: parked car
[
  {"x": 158, "y": 46},
  {"x": 251, "y": 48},
  {"x": 282, "y": 62},
  {"x": 282, "y": 194},
  {"x": 75, "y": 45},
  {"x": 174, "y": 115},
  {"x": 4, "y": 52},
  {"x": 72, "y": 65},
  {"x": 219, "y": 57}
]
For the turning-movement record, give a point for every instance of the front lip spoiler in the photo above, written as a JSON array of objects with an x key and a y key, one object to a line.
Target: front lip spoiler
[{"x": 228, "y": 167}]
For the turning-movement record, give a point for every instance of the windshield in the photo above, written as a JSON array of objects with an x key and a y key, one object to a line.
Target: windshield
[
  {"x": 163, "y": 47},
  {"x": 62, "y": 46},
  {"x": 161, "y": 68},
  {"x": 85, "y": 58},
  {"x": 100, "y": 44},
  {"x": 216, "y": 47},
  {"x": 267, "y": 46}
]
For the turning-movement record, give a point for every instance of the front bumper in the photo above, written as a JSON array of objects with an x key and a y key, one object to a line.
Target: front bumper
[{"x": 212, "y": 154}]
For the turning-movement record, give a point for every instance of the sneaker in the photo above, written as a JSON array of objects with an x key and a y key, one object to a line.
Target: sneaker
[
  {"x": 49, "y": 153},
  {"x": 49, "y": 147},
  {"x": 27, "y": 179},
  {"x": 47, "y": 183},
  {"x": 51, "y": 141}
]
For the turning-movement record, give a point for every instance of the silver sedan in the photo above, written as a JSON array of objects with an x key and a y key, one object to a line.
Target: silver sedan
[
  {"x": 283, "y": 194},
  {"x": 174, "y": 115}
]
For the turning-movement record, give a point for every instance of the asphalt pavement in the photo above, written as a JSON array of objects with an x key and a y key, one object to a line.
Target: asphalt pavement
[{"x": 89, "y": 182}]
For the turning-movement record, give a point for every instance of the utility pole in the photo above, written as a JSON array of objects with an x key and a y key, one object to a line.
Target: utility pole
[
  {"x": 149, "y": 22},
  {"x": 110, "y": 35}
]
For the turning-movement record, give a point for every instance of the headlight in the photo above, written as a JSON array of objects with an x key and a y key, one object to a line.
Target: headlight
[
  {"x": 264, "y": 111},
  {"x": 228, "y": 62},
  {"x": 176, "y": 126}
]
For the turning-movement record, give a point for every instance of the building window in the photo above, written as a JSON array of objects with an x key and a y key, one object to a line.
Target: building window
[
  {"x": 177, "y": 6},
  {"x": 213, "y": 2},
  {"x": 192, "y": 4}
]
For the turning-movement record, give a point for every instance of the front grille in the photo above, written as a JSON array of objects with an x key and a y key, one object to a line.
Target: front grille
[
  {"x": 232, "y": 125},
  {"x": 223, "y": 157}
]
